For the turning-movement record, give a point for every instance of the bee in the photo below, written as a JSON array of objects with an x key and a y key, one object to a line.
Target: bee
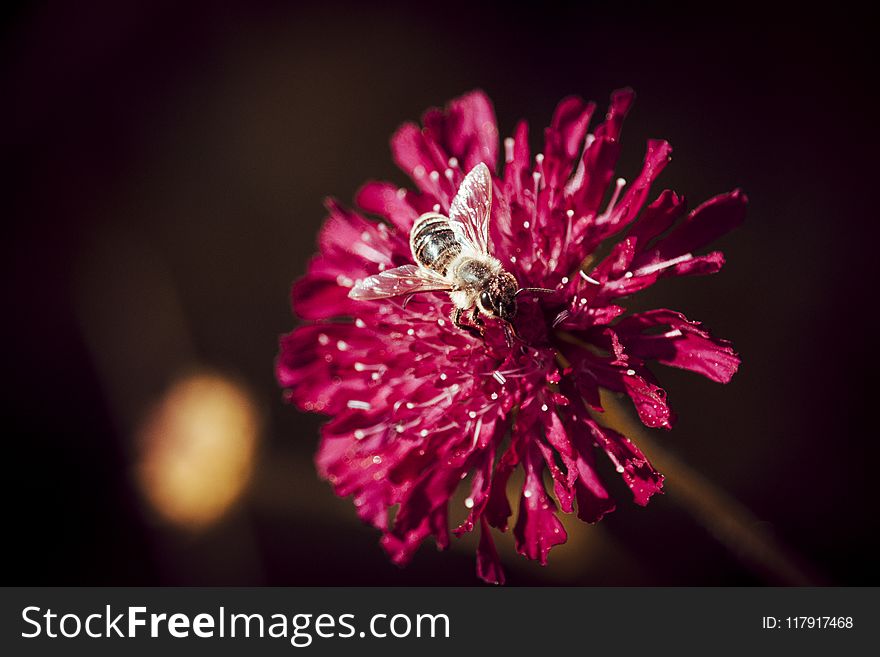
[{"x": 453, "y": 254}]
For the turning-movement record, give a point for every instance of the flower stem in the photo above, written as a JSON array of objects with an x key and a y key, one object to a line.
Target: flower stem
[{"x": 731, "y": 523}]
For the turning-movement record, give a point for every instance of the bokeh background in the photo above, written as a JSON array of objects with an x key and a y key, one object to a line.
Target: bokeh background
[{"x": 164, "y": 168}]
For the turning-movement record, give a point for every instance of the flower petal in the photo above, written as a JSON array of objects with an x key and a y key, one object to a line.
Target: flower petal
[
  {"x": 637, "y": 472},
  {"x": 488, "y": 564},
  {"x": 537, "y": 527},
  {"x": 564, "y": 138},
  {"x": 684, "y": 345},
  {"x": 711, "y": 220}
]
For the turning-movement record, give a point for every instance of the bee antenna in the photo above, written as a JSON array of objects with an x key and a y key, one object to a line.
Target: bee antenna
[{"x": 534, "y": 289}]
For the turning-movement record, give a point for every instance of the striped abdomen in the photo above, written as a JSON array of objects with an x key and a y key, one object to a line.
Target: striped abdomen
[{"x": 433, "y": 243}]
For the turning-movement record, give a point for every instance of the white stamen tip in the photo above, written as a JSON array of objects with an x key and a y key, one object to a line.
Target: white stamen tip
[
  {"x": 453, "y": 162},
  {"x": 508, "y": 150},
  {"x": 434, "y": 176},
  {"x": 630, "y": 372},
  {"x": 359, "y": 405},
  {"x": 436, "y": 207}
]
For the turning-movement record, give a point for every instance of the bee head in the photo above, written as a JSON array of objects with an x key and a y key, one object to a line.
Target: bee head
[{"x": 498, "y": 299}]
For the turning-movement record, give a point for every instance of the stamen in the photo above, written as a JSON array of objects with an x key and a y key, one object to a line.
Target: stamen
[
  {"x": 359, "y": 405},
  {"x": 536, "y": 176},
  {"x": 508, "y": 150},
  {"x": 588, "y": 278},
  {"x": 619, "y": 185},
  {"x": 499, "y": 377},
  {"x": 453, "y": 162},
  {"x": 650, "y": 269},
  {"x": 477, "y": 435}
]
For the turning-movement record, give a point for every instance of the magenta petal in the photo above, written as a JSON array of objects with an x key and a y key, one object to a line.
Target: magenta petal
[
  {"x": 637, "y": 472},
  {"x": 389, "y": 202},
  {"x": 649, "y": 400},
  {"x": 593, "y": 500},
  {"x": 467, "y": 130},
  {"x": 498, "y": 507},
  {"x": 685, "y": 345},
  {"x": 537, "y": 527},
  {"x": 708, "y": 222},
  {"x": 488, "y": 564},
  {"x": 621, "y": 101},
  {"x": 657, "y": 218},
  {"x": 656, "y": 159},
  {"x": 417, "y": 155},
  {"x": 564, "y": 138},
  {"x": 319, "y": 295},
  {"x": 422, "y": 512}
]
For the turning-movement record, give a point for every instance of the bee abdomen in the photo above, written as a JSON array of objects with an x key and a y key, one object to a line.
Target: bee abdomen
[{"x": 433, "y": 243}]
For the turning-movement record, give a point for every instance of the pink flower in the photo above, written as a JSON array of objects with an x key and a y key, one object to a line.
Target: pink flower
[{"x": 418, "y": 405}]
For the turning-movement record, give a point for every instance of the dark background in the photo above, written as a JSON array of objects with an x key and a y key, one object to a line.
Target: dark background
[{"x": 164, "y": 167}]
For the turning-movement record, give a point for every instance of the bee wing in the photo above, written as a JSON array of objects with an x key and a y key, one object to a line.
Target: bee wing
[
  {"x": 407, "y": 279},
  {"x": 471, "y": 207}
]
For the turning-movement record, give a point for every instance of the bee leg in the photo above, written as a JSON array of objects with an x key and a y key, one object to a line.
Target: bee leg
[
  {"x": 477, "y": 319},
  {"x": 456, "y": 320},
  {"x": 508, "y": 335}
]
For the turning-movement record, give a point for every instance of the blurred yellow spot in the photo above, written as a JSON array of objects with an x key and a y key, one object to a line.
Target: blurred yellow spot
[{"x": 197, "y": 450}]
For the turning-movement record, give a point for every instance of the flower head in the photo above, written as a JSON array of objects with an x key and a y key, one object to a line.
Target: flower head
[{"x": 417, "y": 405}]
